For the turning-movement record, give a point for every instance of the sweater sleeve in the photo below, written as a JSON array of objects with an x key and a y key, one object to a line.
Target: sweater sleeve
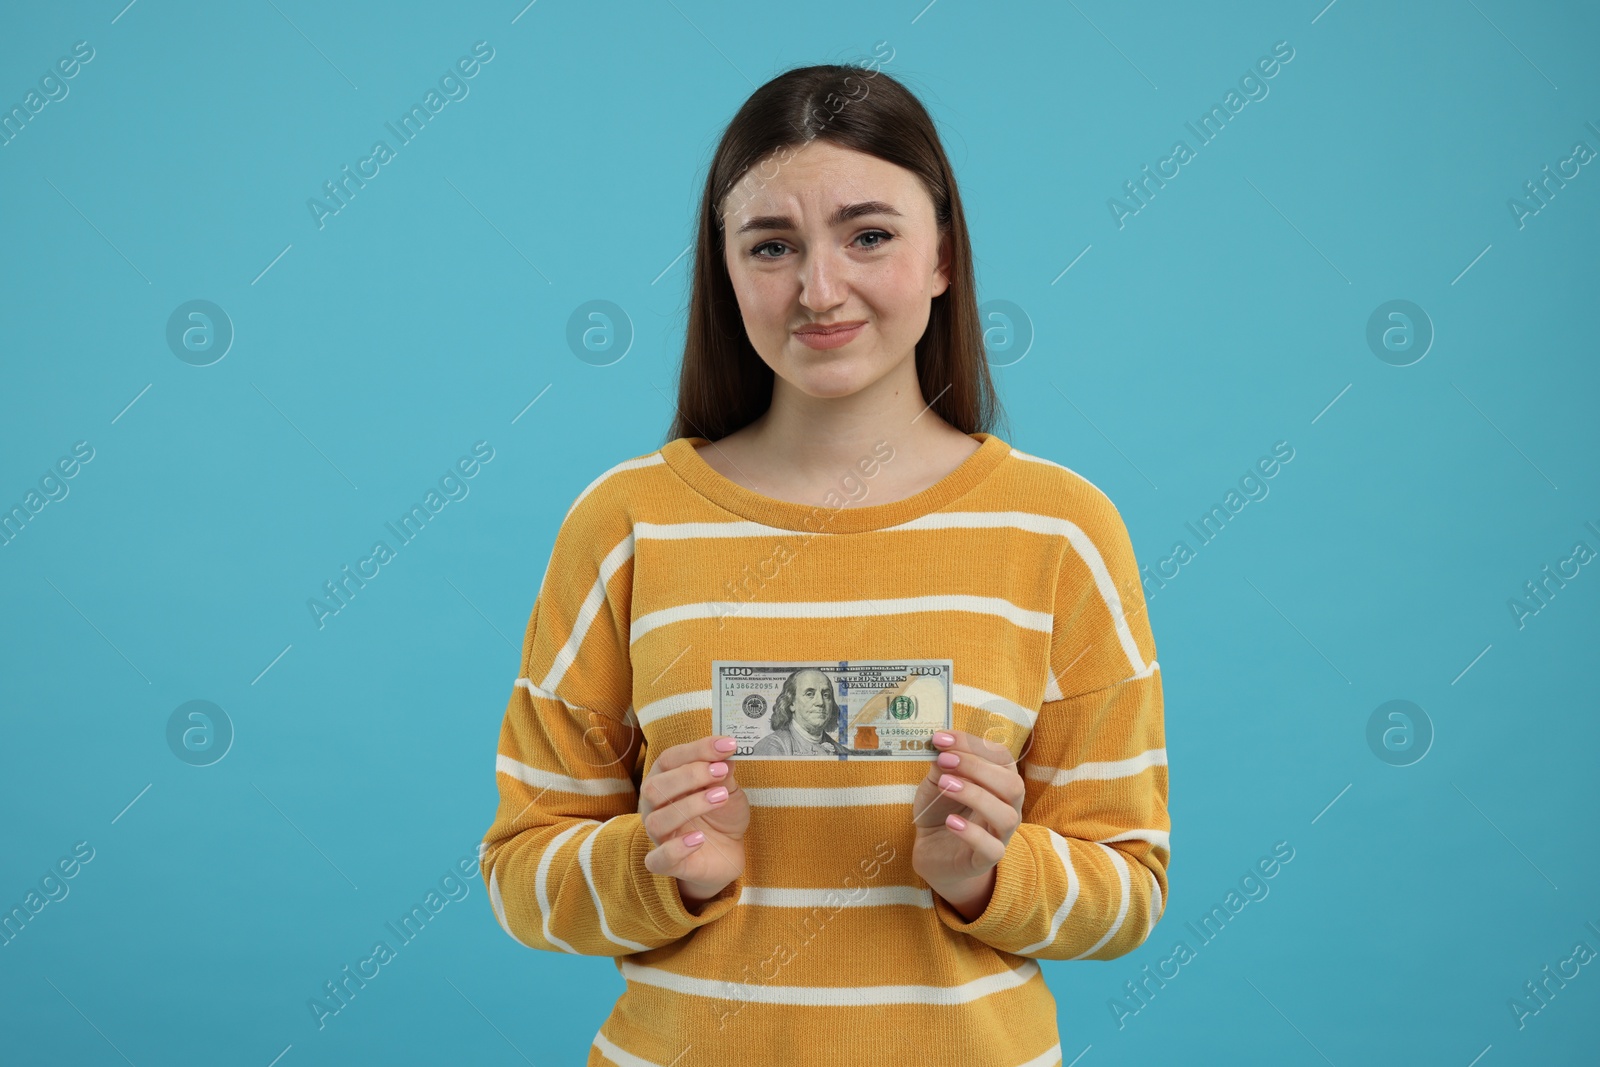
[
  {"x": 564, "y": 858},
  {"x": 1084, "y": 876}
]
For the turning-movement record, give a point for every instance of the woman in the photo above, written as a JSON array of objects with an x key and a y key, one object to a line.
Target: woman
[{"x": 830, "y": 492}]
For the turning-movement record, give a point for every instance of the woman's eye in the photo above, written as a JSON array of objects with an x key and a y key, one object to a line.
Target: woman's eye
[{"x": 885, "y": 238}]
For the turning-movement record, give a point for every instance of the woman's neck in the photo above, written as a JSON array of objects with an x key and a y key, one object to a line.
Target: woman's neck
[{"x": 803, "y": 446}]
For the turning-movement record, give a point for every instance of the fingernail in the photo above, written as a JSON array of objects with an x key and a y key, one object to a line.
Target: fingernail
[
  {"x": 719, "y": 770},
  {"x": 952, "y": 784},
  {"x": 726, "y": 744},
  {"x": 717, "y": 795},
  {"x": 694, "y": 839},
  {"x": 949, "y": 759},
  {"x": 942, "y": 738},
  {"x": 955, "y": 822}
]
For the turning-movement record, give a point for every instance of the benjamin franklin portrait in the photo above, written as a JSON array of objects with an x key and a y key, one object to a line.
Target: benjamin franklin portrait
[{"x": 801, "y": 715}]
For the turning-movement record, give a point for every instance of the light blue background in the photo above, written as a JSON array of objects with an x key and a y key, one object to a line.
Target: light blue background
[{"x": 1227, "y": 315}]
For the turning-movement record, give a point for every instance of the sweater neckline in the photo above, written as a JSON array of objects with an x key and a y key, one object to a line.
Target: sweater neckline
[{"x": 681, "y": 455}]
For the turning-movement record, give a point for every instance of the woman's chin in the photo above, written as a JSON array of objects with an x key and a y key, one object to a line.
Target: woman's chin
[{"x": 829, "y": 381}]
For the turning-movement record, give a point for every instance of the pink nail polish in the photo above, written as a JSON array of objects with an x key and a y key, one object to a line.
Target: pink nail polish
[
  {"x": 949, "y": 759},
  {"x": 952, "y": 784},
  {"x": 691, "y": 840},
  {"x": 955, "y": 822},
  {"x": 942, "y": 738},
  {"x": 719, "y": 770},
  {"x": 717, "y": 795},
  {"x": 726, "y": 744}
]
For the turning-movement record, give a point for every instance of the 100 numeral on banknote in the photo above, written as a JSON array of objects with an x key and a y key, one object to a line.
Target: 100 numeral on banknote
[{"x": 847, "y": 709}]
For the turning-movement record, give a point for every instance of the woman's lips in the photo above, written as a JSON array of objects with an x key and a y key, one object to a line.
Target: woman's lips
[{"x": 829, "y": 338}]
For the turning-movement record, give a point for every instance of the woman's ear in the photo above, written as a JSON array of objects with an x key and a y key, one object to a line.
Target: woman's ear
[{"x": 941, "y": 276}]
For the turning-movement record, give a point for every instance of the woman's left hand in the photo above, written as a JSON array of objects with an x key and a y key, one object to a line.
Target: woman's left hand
[{"x": 965, "y": 812}]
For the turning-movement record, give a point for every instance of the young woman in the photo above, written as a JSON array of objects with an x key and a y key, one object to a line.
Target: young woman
[{"x": 829, "y": 496}]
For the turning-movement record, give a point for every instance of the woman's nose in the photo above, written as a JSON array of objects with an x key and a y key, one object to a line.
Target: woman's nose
[{"x": 821, "y": 282}]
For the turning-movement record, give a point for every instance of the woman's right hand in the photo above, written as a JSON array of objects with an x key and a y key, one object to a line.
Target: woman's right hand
[{"x": 678, "y": 801}]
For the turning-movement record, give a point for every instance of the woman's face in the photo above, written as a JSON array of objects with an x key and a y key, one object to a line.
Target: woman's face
[{"x": 794, "y": 263}]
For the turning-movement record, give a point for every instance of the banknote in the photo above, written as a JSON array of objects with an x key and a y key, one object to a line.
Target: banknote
[{"x": 845, "y": 709}]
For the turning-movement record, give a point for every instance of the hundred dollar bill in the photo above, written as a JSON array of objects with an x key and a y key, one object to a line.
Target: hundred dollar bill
[{"x": 847, "y": 709}]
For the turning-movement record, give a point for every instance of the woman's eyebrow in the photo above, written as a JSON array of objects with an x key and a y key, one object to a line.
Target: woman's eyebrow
[{"x": 843, "y": 213}]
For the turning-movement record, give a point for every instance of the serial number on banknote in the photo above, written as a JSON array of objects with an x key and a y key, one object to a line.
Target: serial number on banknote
[{"x": 844, "y": 709}]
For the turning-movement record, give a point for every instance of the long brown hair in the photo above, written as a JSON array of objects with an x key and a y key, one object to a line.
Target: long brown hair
[{"x": 723, "y": 384}]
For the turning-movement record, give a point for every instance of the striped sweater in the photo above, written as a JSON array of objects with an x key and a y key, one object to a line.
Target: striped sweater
[{"x": 829, "y": 949}]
